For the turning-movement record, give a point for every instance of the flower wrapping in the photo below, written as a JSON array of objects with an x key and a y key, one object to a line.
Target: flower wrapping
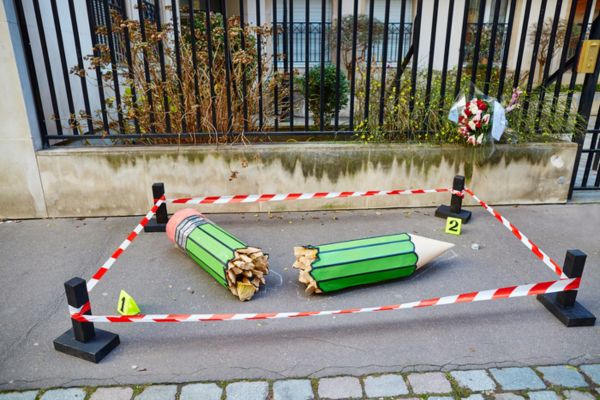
[{"x": 479, "y": 119}]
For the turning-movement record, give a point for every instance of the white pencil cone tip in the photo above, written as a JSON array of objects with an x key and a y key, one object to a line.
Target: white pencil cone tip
[{"x": 428, "y": 249}]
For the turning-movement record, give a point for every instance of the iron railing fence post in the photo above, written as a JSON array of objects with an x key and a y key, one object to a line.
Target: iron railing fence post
[{"x": 31, "y": 72}]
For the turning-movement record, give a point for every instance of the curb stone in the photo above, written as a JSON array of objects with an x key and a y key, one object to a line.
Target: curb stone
[
  {"x": 158, "y": 392},
  {"x": 429, "y": 382},
  {"x": 385, "y": 385},
  {"x": 204, "y": 391},
  {"x": 112, "y": 393},
  {"x": 258, "y": 390},
  {"x": 517, "y": 378},
  {"x": 342, "y": 387},
  {"x": 293, "y": 389},
  {"x": 563, "y": 375},
  {"x": 474, "y": 380},
  {"x": 556, "y": 382}
]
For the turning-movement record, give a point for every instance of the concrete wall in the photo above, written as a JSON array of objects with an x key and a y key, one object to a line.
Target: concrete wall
[
  {"x": 117, "y": 181},
  {"x": 20, "y": 186}
]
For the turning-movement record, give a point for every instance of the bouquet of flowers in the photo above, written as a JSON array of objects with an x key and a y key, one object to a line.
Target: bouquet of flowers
[
  {"x": 477, "y": 118},
  {"x": 474, "y": 121}
]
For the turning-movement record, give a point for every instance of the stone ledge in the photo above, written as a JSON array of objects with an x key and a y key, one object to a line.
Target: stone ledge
[{"x": 98, "y": 181}]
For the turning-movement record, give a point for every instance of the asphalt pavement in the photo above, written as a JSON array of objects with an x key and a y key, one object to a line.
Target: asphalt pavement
[{"x": 37, "y": 256}]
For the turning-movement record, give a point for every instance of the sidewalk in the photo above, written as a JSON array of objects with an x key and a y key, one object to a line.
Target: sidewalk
[
  {"x": 38, "y": 256},
  {"x": 539, "y": 383}
]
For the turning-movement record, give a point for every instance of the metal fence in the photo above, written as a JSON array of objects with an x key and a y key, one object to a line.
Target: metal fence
[
  {"x": 498, "y": 31},
  {"x": 164, "y": 71},
  {"x": 298, "y": 31}
]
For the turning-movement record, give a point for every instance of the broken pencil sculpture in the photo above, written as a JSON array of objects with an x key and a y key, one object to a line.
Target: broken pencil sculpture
[
  {"x": 228, "y": 260},
  {"x": 336, "y": 266}
]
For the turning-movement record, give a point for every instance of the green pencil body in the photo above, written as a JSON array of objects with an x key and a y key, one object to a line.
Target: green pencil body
[
  {"x": 230, "y": 261},
  {"x": 336, "y": 266}
]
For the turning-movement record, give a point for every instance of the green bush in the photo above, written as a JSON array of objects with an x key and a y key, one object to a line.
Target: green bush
[{"x": 330, "y": 93}]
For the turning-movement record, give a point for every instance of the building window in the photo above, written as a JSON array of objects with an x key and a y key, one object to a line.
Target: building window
[
  {"x": 148, "y": 10},
  {"x": 100, "y": 20},
  {"x": 397, "y": 30},
  {"x": 486, "y": 31},
  {"x": 317, "y": 32}
]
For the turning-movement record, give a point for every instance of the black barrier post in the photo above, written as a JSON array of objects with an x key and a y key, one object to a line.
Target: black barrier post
[
  {"x": 159, "y": 222},
  {"x": 455, "y": 209},
  {"x": 563, "y": 304},
  {"x": 83, "y": 340}
]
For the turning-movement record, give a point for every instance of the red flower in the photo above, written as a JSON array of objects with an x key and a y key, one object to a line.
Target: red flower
[{"x": 482, "y": 105}]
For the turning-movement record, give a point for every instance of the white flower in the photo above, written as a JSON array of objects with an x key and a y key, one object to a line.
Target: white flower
[
  {"x": 480, "y": 139},
  {"x": 486, "y": 119},
  {"x": 472, "y": 125}
]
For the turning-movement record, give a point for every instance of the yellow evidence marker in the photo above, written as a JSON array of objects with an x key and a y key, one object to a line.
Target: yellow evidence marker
[
  {"x": 127, "y": 305},
  {"x": 453, "y": 225}
]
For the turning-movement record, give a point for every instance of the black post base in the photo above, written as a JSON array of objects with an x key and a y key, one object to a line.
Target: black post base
[
  {"x": 443, "y": 211},
  {"x": 154, "y": 226},
  {"x": 577, "y": 315},
  {"x": 94, "y": 350}
]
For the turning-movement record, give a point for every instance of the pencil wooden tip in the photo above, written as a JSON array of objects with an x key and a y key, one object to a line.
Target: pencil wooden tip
[{"x": 427, "y": 249}]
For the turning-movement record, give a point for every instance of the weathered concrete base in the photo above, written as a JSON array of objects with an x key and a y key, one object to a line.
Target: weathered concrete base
[{"x": 117, "y": 181}]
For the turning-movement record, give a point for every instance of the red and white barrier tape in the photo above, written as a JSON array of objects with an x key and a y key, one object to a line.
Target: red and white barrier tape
[
  {"x": 81, "y": 310},
  {"x": 123, "y": 246},
  {"x": 507, "y": 292},
  {"x": 553, "y": 265},
  {"x": 471, "y": 297},
  {"x": 260, "y": 198}
]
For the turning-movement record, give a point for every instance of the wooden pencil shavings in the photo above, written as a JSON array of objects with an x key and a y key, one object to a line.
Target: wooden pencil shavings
[
  {"x": 304, "y": 259},
  {"x": 246, "y": 272}
]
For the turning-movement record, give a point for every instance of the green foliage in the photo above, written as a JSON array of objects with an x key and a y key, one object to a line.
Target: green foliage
[
  {"x": 409, "y": 114},
  {"x": 412, "y": 116},
  {"x": 541, "y": 118},
  {"x": 182, "y": 91},
  {"x": 330, "y": 94}
]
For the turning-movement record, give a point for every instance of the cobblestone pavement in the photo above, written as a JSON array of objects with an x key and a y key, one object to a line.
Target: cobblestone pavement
[{"x": 514, "y": 383}]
